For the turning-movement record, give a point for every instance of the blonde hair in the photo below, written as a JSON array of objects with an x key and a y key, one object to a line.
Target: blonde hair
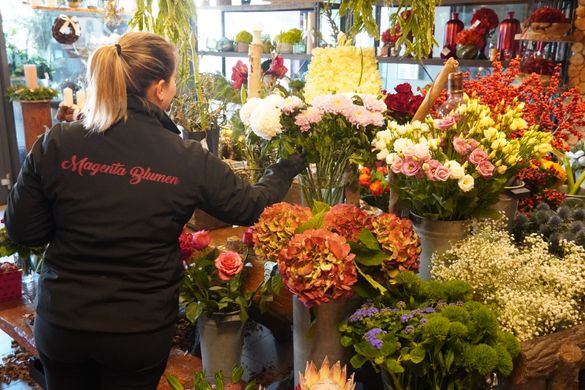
[{"x": 128, "y": 67}]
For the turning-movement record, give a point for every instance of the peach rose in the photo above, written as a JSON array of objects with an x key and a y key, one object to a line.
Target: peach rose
[{"x": 228, "y": 265}]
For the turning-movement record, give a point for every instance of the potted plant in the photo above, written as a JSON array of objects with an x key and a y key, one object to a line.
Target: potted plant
[
  {"x": 242, "y": 41},
  {"x": 430, "y": 335},
  {"x": 546, "y": 23},
  {"x": 215, "y": 297},
  {"x": 469, "y": 42},
  {"x": 36, "y": 110},
  {"x": 287, "y": 39}
]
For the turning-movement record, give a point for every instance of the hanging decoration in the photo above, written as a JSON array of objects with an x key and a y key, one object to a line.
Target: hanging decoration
[
  {"x": 112, "y": 14},
  {"x": 66, "y": 30}
]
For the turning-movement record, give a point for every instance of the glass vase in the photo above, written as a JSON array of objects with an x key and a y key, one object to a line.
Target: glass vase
[
  {"x": 323, "y": 183},
  {"x": 452, "y": 28},
  {"x": 508, "y": 46}
]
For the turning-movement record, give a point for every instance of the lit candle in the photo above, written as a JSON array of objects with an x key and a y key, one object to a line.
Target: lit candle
[
  {"x": 30, "y": 76},
  {"x": 68, "y": 97},
  {"x": 80, "y": 98}
]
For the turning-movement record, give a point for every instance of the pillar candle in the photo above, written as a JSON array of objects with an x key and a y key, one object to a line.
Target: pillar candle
[
  {"x": 30, "y": 76},
  {"x": 68, "y": 97},
  {"x": 255, "y": 56},
  {"x": 80, "y": 98}
]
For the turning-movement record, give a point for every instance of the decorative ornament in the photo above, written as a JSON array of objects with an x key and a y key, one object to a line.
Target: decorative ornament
[
  {"x": 66, "y": 30},
  {"x": 112, "y": 14}
]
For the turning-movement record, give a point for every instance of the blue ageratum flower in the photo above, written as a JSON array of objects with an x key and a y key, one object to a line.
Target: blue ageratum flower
[
  {"x": 371, "y": 336},
  {"x": 363, "y": 312}
]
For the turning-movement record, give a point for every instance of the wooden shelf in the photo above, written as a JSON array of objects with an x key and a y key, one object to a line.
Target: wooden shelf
[
  {"x": 567, "y": 39},
  {"x": 302, "y": 57},
  {"x": 292, "y": 6},
  {"x": 74, "y": 11},
  {"x": 382, "y": 60}
]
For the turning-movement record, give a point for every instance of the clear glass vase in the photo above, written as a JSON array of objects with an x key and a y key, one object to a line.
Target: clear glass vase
[{"x": 323, "y": 184}]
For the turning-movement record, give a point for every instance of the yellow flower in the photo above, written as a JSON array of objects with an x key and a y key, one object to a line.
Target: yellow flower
[
  {"x": 342, "y": 69},
  {"x": 556, "y": 167}
]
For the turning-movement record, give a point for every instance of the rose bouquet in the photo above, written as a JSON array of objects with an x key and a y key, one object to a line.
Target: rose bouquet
[
  {"x": 214, "y": 279},
  {"x": 332, "y": 130},
  {"x": 455, "y": 168},
  {"x": 330, "y": 253},
  {"x": 485, "y": 19},
  {"x": 403, "y": 104},
  {"x": 430, "y": 335}
]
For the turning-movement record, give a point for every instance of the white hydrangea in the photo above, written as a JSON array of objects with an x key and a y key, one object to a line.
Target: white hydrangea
[
  {"x": 265, "y": 120},
  {"x": 536, "y": 292}
]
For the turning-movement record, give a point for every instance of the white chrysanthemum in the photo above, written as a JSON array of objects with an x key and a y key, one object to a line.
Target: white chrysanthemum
[
  {"x": 265, "y": 120},
  {"x": 276, "y": 100},
  {"x": 247, "y": 110},
  {"x": 291, "y": 103}
]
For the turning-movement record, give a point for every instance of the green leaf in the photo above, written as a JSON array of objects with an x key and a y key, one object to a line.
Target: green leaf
[
  {"x": 367, "y": 238},
  {"x": 194, "y": 310},
  {"x": 237, "y": 374},
  {"x": 372, "y": 282},
  {"x": 357, "y": 361},
  {"x": 316, "y": 222},
  {"x": 393, "y": 366},
  {"x": 346, "y": 341},
  {"x": 216, "y": 288},
  {"x": 417, "y": 355},
  {"x": 173, "y": 381}
]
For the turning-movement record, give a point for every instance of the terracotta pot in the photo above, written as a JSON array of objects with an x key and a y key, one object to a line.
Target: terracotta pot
[
  {"x": 36, "y": 117},
  {"x": 242, "y": 47}
]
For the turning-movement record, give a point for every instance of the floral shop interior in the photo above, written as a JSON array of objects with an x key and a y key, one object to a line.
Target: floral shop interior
[{"x": 353, "y": 194}]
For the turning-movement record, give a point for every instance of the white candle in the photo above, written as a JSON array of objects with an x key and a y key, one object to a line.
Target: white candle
[
  {"x": 257, "y": 29},
  {"x": 30, "y": 76},
  {"x": 80, "y": 95},
  {"x": 68, "y": 97}
]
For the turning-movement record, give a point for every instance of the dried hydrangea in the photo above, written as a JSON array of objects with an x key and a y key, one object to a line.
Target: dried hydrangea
[
  {"x": 536, "y": 292},
  {"x": 276, "y": 226},
  {"x": 346, "y": 220},
  {"x": 317, "y": 267},
  {"x": 397, "y": 237}
]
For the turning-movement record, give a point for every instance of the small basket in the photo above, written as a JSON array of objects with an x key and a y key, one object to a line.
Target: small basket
[{"x": 10, "y": 285}]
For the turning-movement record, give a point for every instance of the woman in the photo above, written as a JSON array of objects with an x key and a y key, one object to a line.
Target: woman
[{"x": 110, "y": 195}]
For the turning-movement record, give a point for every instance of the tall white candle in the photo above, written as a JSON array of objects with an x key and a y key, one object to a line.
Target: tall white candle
[
  {"x": 68, "y": 97},
  {"x": 30, "y": 76},
  {"x": 80, "y": 95}
]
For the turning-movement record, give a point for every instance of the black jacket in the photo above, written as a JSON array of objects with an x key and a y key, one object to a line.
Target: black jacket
[{"x": 111, "y": 207}]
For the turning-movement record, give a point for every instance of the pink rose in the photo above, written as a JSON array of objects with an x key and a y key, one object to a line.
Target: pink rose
[
  {"x": 442, "y": 173},
  {"x": 228, "y": 265},
  {"x": 410, "y": 167},
  {"x": 461, "y": 146},
  {"x": 485, "y": 168},
  {"x": 201, "y": 239},
  {"x": 445, "y": 123},
  {"x": 477, "y": 156},
  {"x": 396, "y": 166}
]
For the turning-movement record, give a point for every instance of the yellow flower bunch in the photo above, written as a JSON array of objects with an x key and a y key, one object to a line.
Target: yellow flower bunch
[{"x": 342, "y": 69}]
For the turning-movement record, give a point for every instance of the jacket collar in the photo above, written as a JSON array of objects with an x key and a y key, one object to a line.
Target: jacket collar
[{"x": 139, "y": 105}]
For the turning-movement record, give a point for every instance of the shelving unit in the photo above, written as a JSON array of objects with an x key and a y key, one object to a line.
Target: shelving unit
[{"x": 70, "y": 10}]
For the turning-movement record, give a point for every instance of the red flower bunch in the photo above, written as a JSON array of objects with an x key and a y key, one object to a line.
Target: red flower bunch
[
  {"x": 391, "y": 36},
  {"x": 538, "y": 65},
  {"x": 239, "y": 75},
  {"x": 397, "y": 237},
  {"x": 547, "y": 15},
  {"x": 541, "y": 178},
  {"x": 346, "y": 220},
  {"x": 376, "y": 181},
  {"x": 560, "y": 112},
  {"x": 274, "y": 68},
  {"x": 487, "y": 18},
  {"x": 469, "y": 37},
  {"x": 191, "y": 242},
  {"x": 403, "y": 104}
]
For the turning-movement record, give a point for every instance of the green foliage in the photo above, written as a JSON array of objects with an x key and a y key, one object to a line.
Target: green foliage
[
  {"x": 292, "y": 36},
  {"x": 201, "y": 383},
  {"x": 24, "y": 253},
  {"x": 17, "y": 58},
  {"x": 423, "y": 336},
  {"x": 243, "y": 37},
  {"x": 363, "y": 17},
  {"x": 417, "y": 29},
  {"x": 21, "y": 93}
]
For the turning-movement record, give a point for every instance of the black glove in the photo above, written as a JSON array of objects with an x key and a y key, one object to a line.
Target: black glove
[{"x": 294, "y": 164}]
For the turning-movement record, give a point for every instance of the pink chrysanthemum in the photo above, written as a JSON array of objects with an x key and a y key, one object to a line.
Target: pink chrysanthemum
[
  {"x": 346, "y": 220},
  {"x": 317, "y": 267},
  {"x": 276, "y": 226}
]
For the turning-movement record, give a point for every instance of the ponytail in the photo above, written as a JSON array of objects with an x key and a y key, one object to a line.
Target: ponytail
[
  {"x": 127, "y": 68},
  {"x": 107, "y": 97}
]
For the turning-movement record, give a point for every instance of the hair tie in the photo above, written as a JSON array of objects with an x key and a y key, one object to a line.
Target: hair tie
[{"x": 118, "y": 49}]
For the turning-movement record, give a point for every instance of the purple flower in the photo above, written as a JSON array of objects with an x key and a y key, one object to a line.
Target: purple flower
[
  {"x": 371, "y": 337},
  {"x": 363, "y": 312},
  {"x": 409, "y": 329},
  {"x": 405, "y": 317},
  {"x": 428, "y": 310},
  {"x": 423, "y": 321}
]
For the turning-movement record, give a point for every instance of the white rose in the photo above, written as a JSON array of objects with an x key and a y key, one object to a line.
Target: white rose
[
  {"x": 247, "y": 110},
  {"x": 466, "y": 183}
]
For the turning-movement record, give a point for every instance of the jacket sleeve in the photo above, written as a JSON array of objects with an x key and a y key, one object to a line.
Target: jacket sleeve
[
  {"x": 232, "y": 199},
  {"x": 28, "y": 217}
]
